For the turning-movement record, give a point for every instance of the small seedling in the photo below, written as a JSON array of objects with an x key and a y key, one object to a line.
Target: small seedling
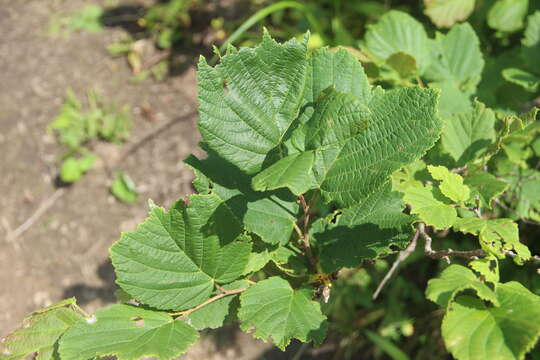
[{"x": 80, "y": 125}]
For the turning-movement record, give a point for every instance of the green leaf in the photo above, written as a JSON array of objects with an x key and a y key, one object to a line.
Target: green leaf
[
  {"x": 522, "y": 78},
  {"x": 397, "y": 32},
  {"x": 454, "y": 280},
  {"x": 280, "y": 313},
  {"x": 496, "y": 236},
  {"x": 259, "y": 257},
  {"x": 124, "y": 189},
  {"x": 270, "y": 215},
  {"x": 486, "y": 186},
  {"x": 403, "y": 126},
  {"x": 403, "y": 63},
  {"x": 453, "y": 99},
  {"x": 407, "y": 176},
  {"x": 173, "y": 258},
  {"x": 213, "y": 315},
  {"x": 466, "y": 135},
  {"x": 531, "y": 36},
  {"x": 249, "y": 101},
  {"x": 40, "y": 332},
  {"x": 365, "y": 231},
  {"x": 451, "y": 184},
  {"x": 488, "y": 267},
  {"x": 346, "y": 152},
  {"x": 507, "y": 15},
  {"x": 458, "y": 58},
  {"x": 293, "y": 172},
  {"x": 340, "y": 69},
  {"x": 473, "y": 330},
  {"x": 445, "y": 13},
  {"x": 74, "y": 168},
  {"x": 127, "y": 332},
  {"x": 88, "y": 19},
  {"x": 530, "y": 51},
  {"x": 429, "y": 209}
]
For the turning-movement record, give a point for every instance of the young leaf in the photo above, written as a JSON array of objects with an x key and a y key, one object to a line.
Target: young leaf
[
  {"x": 466, "y": 135},
  {"x": 458, "y": 57},
  {"x": 507, "y": 15},
  {"x": 74, "y": 168},
  {"x": 280, "y": 313},
  {"x": 403, "y": 63},
  {"x": 429, "y": 209},
  {"x": 445, "y": 13},
  {"x": 396, "y": 32},
  {"x": 453, "y": 280},
  {"x": 473, "y": 330},
  {"x": 172, "y": 260},
  {"x": 451, "y": 184},
  {"x": 496, "y": 236},
  {"x": 124, "y": 189},
  {"x": 522, "y": 78},
  {"x": 486, "y": 186},
  {"x": 129, "y": 333},
  {"x": 530, "y": 51},
  {"x": 488, "y": 267},
  {"x": 40, "y": 332}
]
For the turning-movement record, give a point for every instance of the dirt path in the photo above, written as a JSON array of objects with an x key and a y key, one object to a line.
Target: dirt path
[{"x": 65, "y": 252}]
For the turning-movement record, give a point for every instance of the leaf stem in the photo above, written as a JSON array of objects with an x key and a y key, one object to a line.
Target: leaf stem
[
  {"x": 304, "y": 233},
  {"x": 80, "y": 310},
  {"x": 185, "y": 313}
]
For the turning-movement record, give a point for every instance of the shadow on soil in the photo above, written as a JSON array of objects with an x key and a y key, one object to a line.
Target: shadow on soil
[{"x": 85, "y": 293}]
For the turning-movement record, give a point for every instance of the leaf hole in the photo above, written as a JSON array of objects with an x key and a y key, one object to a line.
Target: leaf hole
[
  {"x": 336, "y": 216},
  {"x": 139, "y": 321},
  {"x": 394, "y": 247}
]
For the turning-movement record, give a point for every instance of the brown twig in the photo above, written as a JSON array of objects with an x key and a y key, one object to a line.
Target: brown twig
[
  {"x": 446, "y": 254},
  {"x": 459, "y": 170},
  {"x": 435, "y": 254},
  {"x": 43, "y": 207},
  {"x": 403, "y": 255}
]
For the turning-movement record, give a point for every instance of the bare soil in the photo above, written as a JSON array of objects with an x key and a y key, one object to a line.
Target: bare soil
[{"x": 65, "y": 252}]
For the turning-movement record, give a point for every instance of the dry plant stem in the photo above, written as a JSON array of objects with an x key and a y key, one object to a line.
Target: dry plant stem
[
  {"x": 446, "y": 254},
  {"x": 184, "y": 314},
  {"x": 43, "y": 207},
  {"x": 404, "y": 254},
  {"x": 459, "y": 170}
]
